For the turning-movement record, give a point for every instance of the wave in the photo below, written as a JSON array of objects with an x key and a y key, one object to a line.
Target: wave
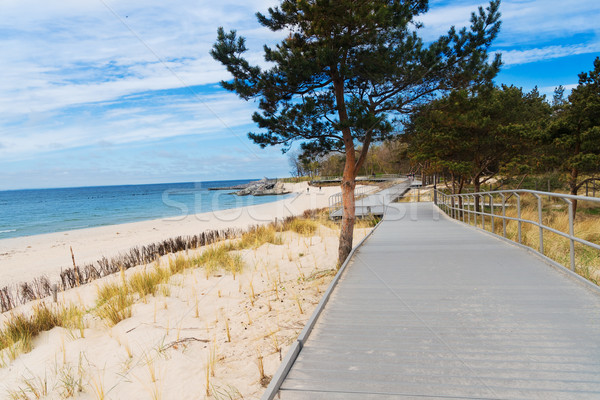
[{"x": 8, "y": 230}]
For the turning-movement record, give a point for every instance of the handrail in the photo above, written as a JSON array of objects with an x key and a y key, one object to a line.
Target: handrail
[
  {"x": 455, "y": 206},
  {"x": 335, "y": 200},
  {"x": 360, "y": 178}
]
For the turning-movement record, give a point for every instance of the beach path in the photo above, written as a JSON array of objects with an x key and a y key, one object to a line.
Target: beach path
[{"x": 430, "y": 308}]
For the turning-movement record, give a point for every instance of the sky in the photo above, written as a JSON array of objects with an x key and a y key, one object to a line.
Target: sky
[{"x": 108, "y": 92}]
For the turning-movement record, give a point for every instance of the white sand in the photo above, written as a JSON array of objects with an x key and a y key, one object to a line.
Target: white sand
[
  {"x": 163, "y": 350},
  {"x": 25, "y": 258}
]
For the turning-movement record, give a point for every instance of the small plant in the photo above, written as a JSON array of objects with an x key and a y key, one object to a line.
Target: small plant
[
  {"x": 263, "y": 379},
  {"x": 114, "y": 303},
  {"x": 34, "y": 386},
  {"x": 20, "y": 329},
  {"x": 70, "y": 382},
  {"x": 305, "y": 227},
  {"x": 297, "y": 299},
  {"x": 257, "y": 236},
  {"x": 179, "y": 264},
  {"x": 145, "y": 283},
  {"x": 219, "y": 258},
  {"x": 98, "y": 387},
  {"x": 227, "y": 330}
]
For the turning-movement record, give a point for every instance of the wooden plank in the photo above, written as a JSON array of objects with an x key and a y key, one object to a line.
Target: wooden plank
[{"x": 429, "y": 308}]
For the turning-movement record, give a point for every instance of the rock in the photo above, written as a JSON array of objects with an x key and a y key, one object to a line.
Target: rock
[{"x": 264, "y": 187}]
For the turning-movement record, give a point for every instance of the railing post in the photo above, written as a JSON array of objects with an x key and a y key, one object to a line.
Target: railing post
[
  {"x": 519, "y": 217},
  {"x": 540, "y": 220},
  {"x": 482, "y": 211},
  {"x": 571, "y": 234},
  {"x": 492, "y": 210},
  {"x": 469, "y": 208},
  {"x": 475, "y": 209},
  {"x": 503, "y": 214}
]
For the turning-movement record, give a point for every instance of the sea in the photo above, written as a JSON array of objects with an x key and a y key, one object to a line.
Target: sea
[{"x": 37, "y": 211}]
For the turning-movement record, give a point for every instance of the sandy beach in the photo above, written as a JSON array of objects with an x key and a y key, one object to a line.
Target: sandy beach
[
  {"x": 202, "y": 334},
  {"x": 28, "y": 257}
]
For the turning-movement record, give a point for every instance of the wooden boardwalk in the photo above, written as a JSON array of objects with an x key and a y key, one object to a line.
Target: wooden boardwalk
[
  {"x": 376, "y": 203},
  {"x": 432, "y": 309}
]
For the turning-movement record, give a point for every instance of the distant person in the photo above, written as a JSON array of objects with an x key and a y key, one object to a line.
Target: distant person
[
  {"x": 319, "y": 188},
  {"x": 307, "y": 189}
]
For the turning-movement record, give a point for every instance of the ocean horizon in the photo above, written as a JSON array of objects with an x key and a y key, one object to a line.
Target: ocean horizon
[{"x": 27, "y": 212}]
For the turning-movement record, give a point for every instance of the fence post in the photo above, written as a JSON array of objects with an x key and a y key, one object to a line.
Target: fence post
[
  {"x": 540, "y": 220},
  {"x": 503, "y": 214},
  {"x": 492, "y": 210},
  {"x": 475, "y": 209},
  {"x": 519, "y": 216},
  {"x": 54, "y": 290},
  {"x": 571, "y": 234},
  {"x": 482, "y": 211}
]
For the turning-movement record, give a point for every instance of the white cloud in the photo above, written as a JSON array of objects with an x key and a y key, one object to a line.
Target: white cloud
[
  {"x": 87, "y": 55},
  {"x": 510, "y": 57},
  {"x": 530, "y": 28}
]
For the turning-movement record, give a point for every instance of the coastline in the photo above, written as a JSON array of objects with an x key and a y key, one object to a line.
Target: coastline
[
  {"x": 199, "y": 333},
  {"x": 28, "y": 257}
]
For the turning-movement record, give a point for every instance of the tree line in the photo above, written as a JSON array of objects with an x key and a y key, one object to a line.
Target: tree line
[
  {"x": 473, "y": 135},
  {"x": 478, "y": 133}
]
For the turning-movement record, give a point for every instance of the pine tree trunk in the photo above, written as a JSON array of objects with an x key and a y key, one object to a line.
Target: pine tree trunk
[{"x": 348, "y": 216}]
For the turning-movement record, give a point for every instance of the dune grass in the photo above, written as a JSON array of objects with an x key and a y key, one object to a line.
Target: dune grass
[
  {"x": 220, "y": 258},
  {"x": 20, "y": 329},
  {"x": 302, "y": 226},
  {"x": 113, "y": 303},
  {"x": 257, "y": 236},
  {"x": 114, "y": 300}
]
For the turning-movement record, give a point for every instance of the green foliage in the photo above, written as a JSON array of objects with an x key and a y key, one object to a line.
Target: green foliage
[
  {"x": 574, "y": 133},
  {"x": 472, "y": 134},
  {"x": 348, "y": 66}
]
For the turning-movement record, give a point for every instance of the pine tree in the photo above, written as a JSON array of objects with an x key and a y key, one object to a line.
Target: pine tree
[
  {"x": 575, "y": 130},
  {"x": 347, "y": 71}
]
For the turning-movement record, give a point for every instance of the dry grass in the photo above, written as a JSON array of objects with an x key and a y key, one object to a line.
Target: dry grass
[
  {"x": 114, "y": 302},
  {"x": 114, "y": 299},
  {"x": 220, "y": 258},
  {"x": 257, "y": 236},
  {"x": 20, "y": 329},
  {"x": 302, "y": 226}
]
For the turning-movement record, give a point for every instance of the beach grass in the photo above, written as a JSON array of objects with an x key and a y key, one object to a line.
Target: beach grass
[
  {"x": 257, "y": 236},
  {"x": 114, "y": 299},
  {"x": 20, "y": 329}
]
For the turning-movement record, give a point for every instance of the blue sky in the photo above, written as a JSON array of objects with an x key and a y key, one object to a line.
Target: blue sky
[{"x": 99, "y": 92}]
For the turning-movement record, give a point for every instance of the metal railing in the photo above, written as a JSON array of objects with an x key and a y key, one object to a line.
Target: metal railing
[
  {"x": 469, "y": 206},
  {"x": 416, "y": 195},
  {"x": 360, "y": 178},
  {"x": 335, "y": 200}
]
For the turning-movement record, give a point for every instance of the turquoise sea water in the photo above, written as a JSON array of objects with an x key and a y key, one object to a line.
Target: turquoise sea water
[{"x": 36, "y": 211}]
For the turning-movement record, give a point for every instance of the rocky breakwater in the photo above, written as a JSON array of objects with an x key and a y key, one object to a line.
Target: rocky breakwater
[{"x": 264, "y": 187}]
